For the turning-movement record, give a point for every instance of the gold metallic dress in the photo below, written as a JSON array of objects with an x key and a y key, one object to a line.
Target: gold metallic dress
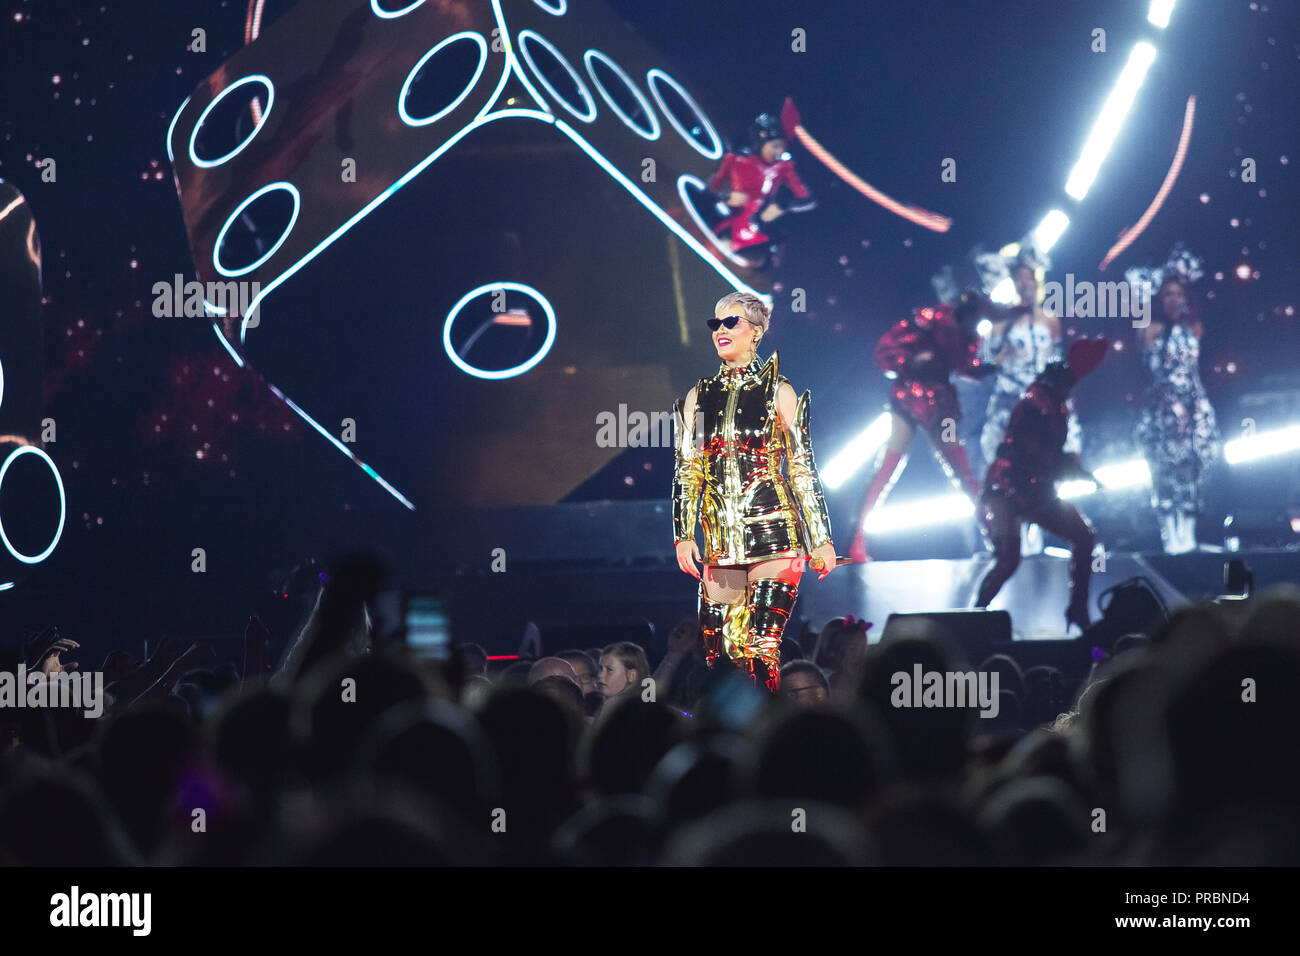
[{"x": 729, "y": 470}]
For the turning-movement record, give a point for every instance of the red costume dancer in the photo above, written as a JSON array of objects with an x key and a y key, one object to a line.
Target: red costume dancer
[
  {"x": 920, "y": 354},
  {"x": 749, "y": 182},
  {"x": 1021, "y": 482}
]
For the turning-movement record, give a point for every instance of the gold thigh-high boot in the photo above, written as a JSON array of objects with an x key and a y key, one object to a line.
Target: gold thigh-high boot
[
  {"x": 713, "y": 620},
  {"x": 771, "y": 601}
]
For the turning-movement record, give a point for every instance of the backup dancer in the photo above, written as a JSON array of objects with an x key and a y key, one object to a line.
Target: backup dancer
[
  {"x": 1021, "y": 482},
  {"x": 759, "y": 185},
  {"x": 1022, "y": 343},
  {"x": 735, "y": 430},
  {"x": 1177, "y": 427},
  {"x": 920, "y": 354}
]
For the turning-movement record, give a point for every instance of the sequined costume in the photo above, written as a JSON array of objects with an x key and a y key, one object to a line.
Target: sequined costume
[
  {"x": 728, "y": 475},
  {"x": 922, "y": 393},
  {"x": 1020, "y": 485},
  {"x": 1022, "y": 350},
  {"x": 1178, "y": 432}
]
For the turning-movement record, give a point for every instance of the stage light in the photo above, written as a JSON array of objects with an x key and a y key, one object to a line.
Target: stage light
[
  {"x": 1004, "y": 293},
  {"x": 1125, "y": 474},
  {"x": 858, "y": 452},
  {"x": 983, "y": 327},
  {"x": 1050, "y": 230},
  {"x": 921, "y": 513},
  {"x": 1108, "y": 124},
  {"x": 1068, "y": 490},
  {"x": 1243, "y": 271},
  {"x": 1158, "y": 14},
  {"x": 1262, "y": 445}
]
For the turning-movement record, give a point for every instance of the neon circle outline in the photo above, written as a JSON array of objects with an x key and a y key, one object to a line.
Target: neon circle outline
[
  {"x": 270, "y": 102},
  {"x": 393, "y": 14},
  {"x": 221, "y": 236},
  {"x": 171, "y": 129},
  {"x": 656, "y": 73},
  {"x": 682, "y": 181},
  {"x": 519, "y": 369},
  {"x": 478, "y": 72},
  {"x": 523, "y": 36},
  {"x": 657, "y": 127},
  {"x": 63, "y": 503}
]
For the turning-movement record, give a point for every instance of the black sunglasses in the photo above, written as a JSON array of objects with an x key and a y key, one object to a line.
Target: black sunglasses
[{"x": 730, "y": 322}]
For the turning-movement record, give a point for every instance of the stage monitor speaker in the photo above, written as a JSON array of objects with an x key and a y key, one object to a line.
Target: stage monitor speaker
[
  {"x": 975, "y": 633},
  {"x": 1133, "y": 606}
]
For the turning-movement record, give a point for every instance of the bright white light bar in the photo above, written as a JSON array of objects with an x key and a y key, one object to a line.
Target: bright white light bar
[
  {"x": 1263, "y": 445},
  {"x": 1108, "y": 124},
  {"x": 1159, "y": 13},
  {"x": 1124, "y": 474},
  {"x": 1004, "y": 293},
  {"x": 1050, "y": 229},
  {"x": 856, "y": 454},
  {"x": 919, "y": 514},
  {"x": 1120, "y": 475}
]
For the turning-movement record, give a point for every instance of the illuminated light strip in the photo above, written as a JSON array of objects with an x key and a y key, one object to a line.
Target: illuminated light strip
[
  {"x": 1050, "y": 229},
  {"x": 63, "y": 504},
  {"x": 343, "y": 448},
  {"x": 923, "y": 512},
  {"x": 227, "y": 346},
  {"x": 393, "y": 14},
  {"x": 1159, "y": 12},
  {"x": 270, "y": 103},
  {"x": 857, "y": 453},
  {"x": 171, "y": 129},
  {"x": 312, "y": 422},
  {"x": 914, "y": 214},
  {"x": 1113, "y": 113},
  {"x": 519, "y": 369},
  {"x": 733, "y": 280},
  {"x": 14, "y": 204},
  {"x": 554, "y": 11},
  {"x": 532, "y": 35},
  {"x": 715, "y": 151},
  {"x": 1128, "y": 235},
  {"x": 478, "y": 72},
  {"x": 2, "y": 383},
  {"x": 686, "y": 179},
  {"x": 655, "y": 128},
  {"x": 292, "y": 190},
  {"x": 1263, "y": 445},
  {"x": 6, "y": 586},
  {"x": 253, "y": 22}
]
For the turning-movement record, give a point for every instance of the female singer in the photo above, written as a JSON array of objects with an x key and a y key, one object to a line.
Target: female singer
[{"x": 734, "y": 432}]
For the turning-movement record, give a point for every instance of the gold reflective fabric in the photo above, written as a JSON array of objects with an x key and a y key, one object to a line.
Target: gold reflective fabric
[{"x": 733, "y": 458}]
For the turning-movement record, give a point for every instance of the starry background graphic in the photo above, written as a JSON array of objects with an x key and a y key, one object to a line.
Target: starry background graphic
[{"x": 165, "y": 445}]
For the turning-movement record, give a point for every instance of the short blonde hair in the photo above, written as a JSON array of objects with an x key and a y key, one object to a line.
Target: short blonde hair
[{"x": 757, "y": 312}]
